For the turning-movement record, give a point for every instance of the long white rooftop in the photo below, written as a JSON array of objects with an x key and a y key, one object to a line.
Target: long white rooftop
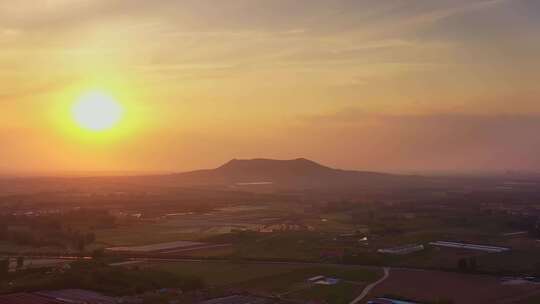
[{"x": 485, "y": 248}]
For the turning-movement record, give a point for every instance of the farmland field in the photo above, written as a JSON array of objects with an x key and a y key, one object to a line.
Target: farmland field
[
  {"x": 219, "y": 274},
  {"x": 266, "y": 277},
  {"x": 530, "y": 299},
  {"x": 191, "y": 226},
  {"x": 159, "y": 246},
  {"x": 432, "y": 286},
  {"x": 139, "y": 235},
  {"x": 285, "y": 280},
  {"x": 296, "y": 278}
]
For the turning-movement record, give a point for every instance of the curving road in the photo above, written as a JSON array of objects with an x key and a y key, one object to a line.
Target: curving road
[{"x": 368, "y": 288}]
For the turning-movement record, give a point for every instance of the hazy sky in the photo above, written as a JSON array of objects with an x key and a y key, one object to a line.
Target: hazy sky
[{"x": 367, "y": 84}]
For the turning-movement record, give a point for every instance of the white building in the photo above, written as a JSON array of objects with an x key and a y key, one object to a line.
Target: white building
[
  {"x": 402, "y": 250},
  {"x": 485, "y": 248}
]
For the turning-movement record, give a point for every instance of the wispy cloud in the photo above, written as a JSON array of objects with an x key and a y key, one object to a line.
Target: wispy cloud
[
  {"x": 460, "y": 142},
  {"x": 435, "y": 15}
]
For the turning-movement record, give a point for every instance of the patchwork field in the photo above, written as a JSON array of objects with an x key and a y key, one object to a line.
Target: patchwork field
[{"x": 193, "y": 226}]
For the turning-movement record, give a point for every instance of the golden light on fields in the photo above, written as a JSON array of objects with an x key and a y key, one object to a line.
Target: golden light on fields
[{"x": 97, "y": 111}]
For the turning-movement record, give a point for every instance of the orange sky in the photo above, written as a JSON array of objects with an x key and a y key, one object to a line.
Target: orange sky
[{"x": 391, "y": 85}]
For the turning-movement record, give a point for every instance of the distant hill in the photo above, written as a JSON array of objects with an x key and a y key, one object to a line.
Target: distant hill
[
  {"x": 296, "y": 173},
  {"x": 251, "y": 175},
  {"x": 268, "y": 176}
]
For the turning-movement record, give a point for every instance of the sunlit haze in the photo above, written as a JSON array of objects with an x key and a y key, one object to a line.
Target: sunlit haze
[
  {"x": 270, "y": 151},
  {"x": 397, "y": 85},
  {"x": 97, "y": 111}
]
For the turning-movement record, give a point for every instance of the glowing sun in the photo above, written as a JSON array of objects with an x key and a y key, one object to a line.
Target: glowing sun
[{"x": 96, "y": 111}]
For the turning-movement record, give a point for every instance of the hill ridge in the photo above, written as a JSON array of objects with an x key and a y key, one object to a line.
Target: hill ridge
[{"x": 298, "y": 173}]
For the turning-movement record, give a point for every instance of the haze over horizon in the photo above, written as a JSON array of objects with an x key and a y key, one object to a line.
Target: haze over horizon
[{"x": 389, "y": 86}]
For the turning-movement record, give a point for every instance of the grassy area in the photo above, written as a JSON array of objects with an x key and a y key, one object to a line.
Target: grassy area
[
  {"x": 141, "y": 235},
  {"x": 217, "y": 273},
  {"x": 218, "y": 252},
  {"x": 10, "y": 247},
  {"x": 293, "y": 284},
  {"x": 273, "y": 278},
  {"x": 280, "y": 279},
  {"x": 295, "y": 279},
  {"x": 294, "y": 245},
  {"x": 515, "y": 261},
  {"x": 531, "y": 300},
  {"x": 95, "y": 275}
]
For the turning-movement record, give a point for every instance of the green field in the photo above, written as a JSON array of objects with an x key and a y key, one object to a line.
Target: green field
[
  {"x": 294, "y": 245},
  {"x": 323, "y": 237},
  {"x": 532, "y": 300},
  {"x": 287, "y": 280},
  {"x": 186, "y": 227},
  {"x": 137, "y": 235},
  {"x": 224, "y": 273},
  {"x": 296, "y": 278}
]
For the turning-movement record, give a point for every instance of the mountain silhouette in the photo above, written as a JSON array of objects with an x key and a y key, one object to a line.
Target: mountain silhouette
[{"x": 295, "y": 173}]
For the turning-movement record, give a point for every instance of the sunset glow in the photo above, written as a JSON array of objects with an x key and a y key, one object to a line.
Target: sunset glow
[
  {"x": 400, "y": 85},
  {"x": 96, "y": 111},
  {"x": 368, "y": 147}
]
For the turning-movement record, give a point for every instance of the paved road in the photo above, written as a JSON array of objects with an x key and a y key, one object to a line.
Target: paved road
[
  {"x": 161, "y": 258},
  {"x": 368, "y": 288},
  {"x": 157, "y": 258}
]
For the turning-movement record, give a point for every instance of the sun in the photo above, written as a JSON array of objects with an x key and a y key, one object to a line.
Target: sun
[{"x": 97, "y": 111}]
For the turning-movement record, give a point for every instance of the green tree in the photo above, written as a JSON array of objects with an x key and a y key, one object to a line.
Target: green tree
[
  {"x": 3, "y": 231},
  {"x": 90, "y": 237},
  {"x": 472, "y": 264},
  {"x": 4, "y": 268},
  {"x": 98, "y": 253},
  {"x": 462, "y": 264}
]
